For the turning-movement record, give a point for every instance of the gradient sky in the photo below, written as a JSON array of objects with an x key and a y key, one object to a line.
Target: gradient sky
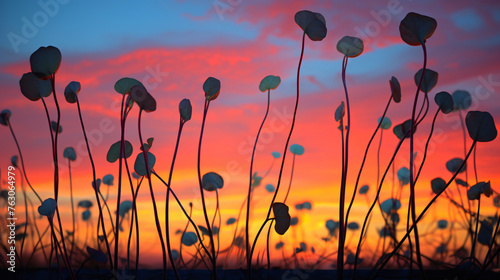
[{"x": 173, "y": 46}]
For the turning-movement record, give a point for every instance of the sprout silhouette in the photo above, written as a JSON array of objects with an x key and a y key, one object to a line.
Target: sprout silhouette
[
  {"x": 85, "y": 204},
  {"x": 294, "y": 221},
  {"x": 390, "y": 205},
  {"x": 476, "y": 190},
  {"x": 98, "y": 183},
  {"x": 140, "y": 166},
  {"x": 404, "y": 176},
  {"x": 71, "y": 91},
  {"x": 353, "y": 226},
  {"x": 189, "y": 238},
  {"x": 69, "y": 153},
  {"x": 256, "y": 180},
  {"x": 211, "y": 87},
  {"x": 461, "y": 100},
  {"x": 230, "y": 221},
  {"x": 270, "y": 188},
  {"x": 5, "y": 116},
  {"x": 124, "y": 85},
  {"x": 297, "y": 149},
  {"x": 114, "y": 151},
  {"x": 438, "y": 185},
  {"x": 340, "y": 112},
  {"x": 86, "y": 215},
  {"x": 13, "y": 161},
  {"x": 53, "y": 125},
  {"x": 185, "y": 109},
  {"x": 313, "y": 24},
  {"x": 212, "y": 181},
  {"x": 364, "y": 189},
  {"x": 454, "y": 164},
  {"x": 386, "y": 123},
  {"x": 143, "y": 98},
  {"x": 481, "y": 126},
  {"x": 276, "y": 155}
]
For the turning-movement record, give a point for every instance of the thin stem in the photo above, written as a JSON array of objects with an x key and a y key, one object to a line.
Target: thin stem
[
  {"x": 101, "y": 216},
  {"x": 72, "y": 209},
  {"x": 284, "y": 153},
  {"x": 247, "y": 230},
  {"x": 148, "y": 175},
  {"x": 291, "y": 178},
  {"x": 212, "y": 244}
]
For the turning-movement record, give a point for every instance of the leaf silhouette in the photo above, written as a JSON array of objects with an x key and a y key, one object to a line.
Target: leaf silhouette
[
  {"x": 313, "y": 24},
  {"x": 416, "y": 28}
]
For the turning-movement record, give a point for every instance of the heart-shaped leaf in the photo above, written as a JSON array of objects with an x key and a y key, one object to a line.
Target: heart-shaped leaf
[
  {"x": 340, "y": 112},
  {"x": 270, "y": 82},
  {"x": 143, "y": 99},
  {"x": 211, "y": 87},
  {"x": 364, "y": 189},
  {"x": 125, "y": 207},
  {"x": 48, "y": 207},
  {"x": 97, "y": 255},
  {"x": 438, "y": 185},
  {"x": 140, "y": 165},
  {"x": 34, "y": 88},
  {"x": 189, "y": 238},
  {"x": 114, "y": 151},
  {"x": 390, "y": 205},
  {"x": 53, "y": 124},
  {"x": 85, "y": 204},
  {"x": 475, "y": 191},
  {"x": 461, "y": 99},
  {"x": 45, "y": 61},
  {"x": 124, "y": 85},
  {"x": 454, "y": 164},
  {"x": 481, "y": 126},
  {"x": 429, "y": 82},
  {"x": 350, "y": 46},
  {"x": 86, "y": 215},
  {"x": 108, "y": 179},
  {"x": 69, "y": 153},
  {"x": 416, "y": 28},
  {"x": 404, "y": 176},
  {"x": 395, "y": 89},
  {"x": 282, "y": 218},
  {"x": 386, "y": 123},
  {"x": 211, "y": 181},
  {"x": 444, "y": 101},
  {"x": 5, "y": 116},
  {"x": 296, "y": 149},
  {"x": 71, "y": 91},
  {"x": 313, "y": 24},
  {"x": 185, "y": 109}
]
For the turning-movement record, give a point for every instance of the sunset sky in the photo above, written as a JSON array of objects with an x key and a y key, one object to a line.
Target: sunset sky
[{"x": 173, "y": 46}]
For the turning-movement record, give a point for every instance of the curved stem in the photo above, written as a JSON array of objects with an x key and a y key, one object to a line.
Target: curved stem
[
  {"x": 155, "y": 210},
  {"x": 247, "y": 230},
  {"x": 101, "y": 216},
  {"x": 284, "y": 152}
]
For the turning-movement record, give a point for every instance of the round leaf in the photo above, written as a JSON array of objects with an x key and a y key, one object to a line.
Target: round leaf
[
  {"x": 48, "y": 207},
  {"x": 85, "y": 204},
  {"x": 189, "y": 238},
  {"x": 296, "y": 149},
  {"x": 404, "y": 176},
  {"x": 270, "y": 188},
  {"x": 5, "y": 116},
  {"x": 125, "y": 207},
  {"x": 442, "y": 224},
  {"x": 140, "y": 164},
  {"x": 313, "y": 24},
  {"x": 98, "y": 183},
  {"x": 438, "y": 185},
  {"x": 276, "y": 155},
  {"x": 390, "y": 205},
  {"x": 402, "y": 130},
  {"x": 230, "y": 221},
  {"x": 86, "y": 215},
  {"x": 114, "y": 151},
  {"x": 481, "y": 126},
  {"x": 395, "y": 89},
  {"x": 416, "y": 28},
  {"x": 185, "y": 109},
  {"x": 386, "y": 123},
  {"x": 53, "y": 124},
  {"x": 270, "y": 82},
  {"x": 364, "y": 189},
  {"x": 211, "y": 87},
  {"x": 211, "y": 181},
  {"x": 34, "y": 88},
  {"x": 71, "y": 92},
  {"x": 124, "y": 85},
  {"x": 108, "y": 180},
  {"x": 282, "y": 218},
  {"x": 461, "y": 99},
  {"x": 429, "y": 82},
  {"x": 350, "y": 46},
  {"x": 45, "y": 61},
  {"x": 69, "y": 153},
  {"x": 454, "y": 164},
  {"x": 353, "y": 225},
  {"x": 445, "y": 102}
]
